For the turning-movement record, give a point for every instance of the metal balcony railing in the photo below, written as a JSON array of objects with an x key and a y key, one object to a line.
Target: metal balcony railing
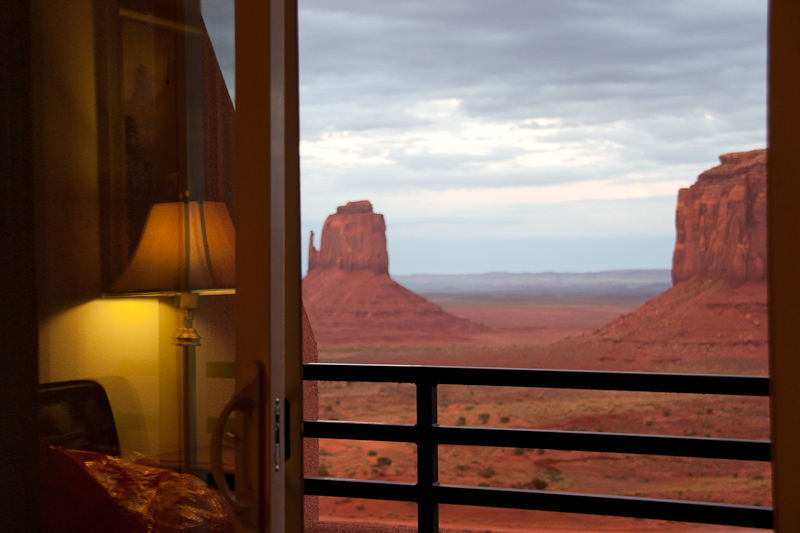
[{"x": 428, "y": 493}]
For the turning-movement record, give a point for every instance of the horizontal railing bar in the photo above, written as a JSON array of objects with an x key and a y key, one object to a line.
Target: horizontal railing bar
[
  {"x": 632, "y": 507},
  {"x": 710, "y": 448},
  {"x": 334, "y": 429},
  {"x": 553, "y": 379},
  {"x": 356, "y": 488},
  {"x": 537, "y": 500}
]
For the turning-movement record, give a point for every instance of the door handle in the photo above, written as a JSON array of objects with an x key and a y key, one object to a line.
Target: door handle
[
  {"x": 282, "y": 428},
  {"x": 287, "y": 434},
  {"x": 248, "y": 402}
]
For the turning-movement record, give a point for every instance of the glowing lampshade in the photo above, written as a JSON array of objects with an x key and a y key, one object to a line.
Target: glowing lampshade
[{"x": 185, "y": 247}]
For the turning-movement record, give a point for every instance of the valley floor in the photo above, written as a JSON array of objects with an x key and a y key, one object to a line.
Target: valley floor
[{"x": 558, "y": 331}]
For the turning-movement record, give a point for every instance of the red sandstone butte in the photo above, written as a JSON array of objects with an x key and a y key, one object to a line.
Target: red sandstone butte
[
  {"x": 349, "y": 296},
  {"x": 722, "y": 222},
  {"x": 715, "y": 317},
  {"x": 353, "y": 239}
]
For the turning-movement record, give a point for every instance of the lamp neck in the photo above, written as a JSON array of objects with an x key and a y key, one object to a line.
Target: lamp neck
[{"x": 187, "y": 335}]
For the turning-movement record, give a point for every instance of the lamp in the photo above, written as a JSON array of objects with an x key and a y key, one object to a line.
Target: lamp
[{"x": 186, "y": 249}]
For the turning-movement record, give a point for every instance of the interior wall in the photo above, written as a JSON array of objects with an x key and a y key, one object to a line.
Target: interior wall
[
  {"x": 216, "y": 359},
  {"x": 125, "y": 344}
]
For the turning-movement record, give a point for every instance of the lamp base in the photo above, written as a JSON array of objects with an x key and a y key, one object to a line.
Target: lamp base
[{"x": 188, "y": 337}]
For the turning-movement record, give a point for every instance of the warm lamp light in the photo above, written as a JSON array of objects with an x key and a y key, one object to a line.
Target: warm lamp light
[{"x": 186, "y": 249}]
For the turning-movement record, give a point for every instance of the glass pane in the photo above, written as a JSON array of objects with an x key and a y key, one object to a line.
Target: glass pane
[
  {"x": 135, "y": 222},
  {"x": 562, "y": 185}
]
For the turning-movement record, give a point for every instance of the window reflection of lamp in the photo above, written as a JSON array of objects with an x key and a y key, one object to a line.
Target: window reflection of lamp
[{"x": 186, "y": 249}]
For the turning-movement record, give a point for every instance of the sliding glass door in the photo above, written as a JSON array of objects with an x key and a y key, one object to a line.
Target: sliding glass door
[{"x": 167, "y": 263}]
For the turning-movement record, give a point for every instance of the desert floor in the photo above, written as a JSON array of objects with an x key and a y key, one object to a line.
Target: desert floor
[{"x": 522, "y": 329}]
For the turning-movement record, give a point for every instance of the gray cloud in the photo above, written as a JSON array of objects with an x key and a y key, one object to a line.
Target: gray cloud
[
  {"x": 638, "y": 88},
  {"x": 513, "y": 58},
  {"x": 638, "y": 91}
]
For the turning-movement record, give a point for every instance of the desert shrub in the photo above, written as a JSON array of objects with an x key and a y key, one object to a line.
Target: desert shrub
[
  {"x": 469, "y": 407},
  {"x": 484, "y": 417},
  {"x": 486, "y": 472},
  {"x": 384, "y": 461},
  {"x": 483, "y": 484},
  {"x": 504, "y": 420},
  {"x": 323, "y": 471},
  {"x": 461, "y": 468},
  {"x": 461, "y": 421},
  {"x": 519, "y": 451},
  {"x": 372, "y": 452},
  {"x": 538, "y": 483},
  {"x": 540, "y": 451},
  {"x": 665, "y": 412}
]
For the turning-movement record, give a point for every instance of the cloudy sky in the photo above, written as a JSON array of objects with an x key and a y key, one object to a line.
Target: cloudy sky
[{"x": 524, "y": 135}]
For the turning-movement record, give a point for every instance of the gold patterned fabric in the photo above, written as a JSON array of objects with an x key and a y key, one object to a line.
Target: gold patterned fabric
[{"x": 88, "y": 491}]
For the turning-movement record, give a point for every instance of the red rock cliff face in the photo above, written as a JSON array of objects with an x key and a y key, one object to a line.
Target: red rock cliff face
[
  {"x": 352, "y": 239},
  {"x": 722, "y": 222}
]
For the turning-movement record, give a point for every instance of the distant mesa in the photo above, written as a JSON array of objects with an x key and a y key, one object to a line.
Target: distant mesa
[
  {"x": 721, "y": 222},
  {"x": 349, "y": 295},
  {"x": 650, "y": 281}
]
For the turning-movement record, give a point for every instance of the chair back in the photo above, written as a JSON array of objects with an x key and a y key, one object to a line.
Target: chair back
[{"x": 77, "y": 415}]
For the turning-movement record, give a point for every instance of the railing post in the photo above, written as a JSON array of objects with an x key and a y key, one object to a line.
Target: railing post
[{"x": 427, "y": 457}]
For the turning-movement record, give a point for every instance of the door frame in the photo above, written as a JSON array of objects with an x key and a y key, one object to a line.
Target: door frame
[{"x": 268, "y": 247}]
